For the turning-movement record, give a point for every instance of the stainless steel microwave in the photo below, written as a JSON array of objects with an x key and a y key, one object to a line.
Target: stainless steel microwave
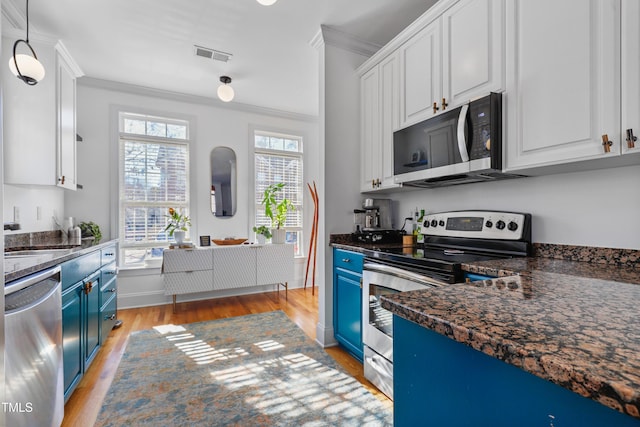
[{"x": 458, "y": 146}]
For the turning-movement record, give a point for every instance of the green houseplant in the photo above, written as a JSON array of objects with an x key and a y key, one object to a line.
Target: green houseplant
[
  {"x": 263, "y": 233},
  {"x": 90, "y": 229},
  {"x": 276, "y": 210}
]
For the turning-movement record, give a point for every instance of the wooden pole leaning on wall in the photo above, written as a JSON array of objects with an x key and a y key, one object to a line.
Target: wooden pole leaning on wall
[{"x": 313, "y": 240}]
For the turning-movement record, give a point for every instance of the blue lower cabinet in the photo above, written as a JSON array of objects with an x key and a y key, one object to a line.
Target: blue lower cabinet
[
  {"x": 348, "y": 312},
  {"x": 347, "y": 300},
  {"x": 473, "y": 277},
  {"x": 72, "y": 337},
  {"x": 93, "y": 318},
  {"x": 86, "y": 300},
  {"x": 441, "y": 382}
]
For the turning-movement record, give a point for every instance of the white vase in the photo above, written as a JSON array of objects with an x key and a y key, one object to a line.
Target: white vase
[
  {"x": 261, "y": 239},
  {"x": 278, "y": 236},
  {"x": 178, "y": 235}
]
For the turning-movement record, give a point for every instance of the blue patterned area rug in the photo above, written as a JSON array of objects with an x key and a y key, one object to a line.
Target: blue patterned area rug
[{"x": 255, "y": 370}]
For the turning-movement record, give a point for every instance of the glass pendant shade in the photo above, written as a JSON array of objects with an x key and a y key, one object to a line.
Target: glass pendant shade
[
  {"x": 267, "y": 2},
  {"x": 30, "y": 68},
  {"x": 26, "y": 67},
  {"x": 225, "y": 91}
]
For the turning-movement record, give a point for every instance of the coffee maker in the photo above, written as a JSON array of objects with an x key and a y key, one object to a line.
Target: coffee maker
[{"x": 372, "y": 222}]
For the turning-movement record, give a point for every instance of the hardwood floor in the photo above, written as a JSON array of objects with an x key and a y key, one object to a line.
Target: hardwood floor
[{"x": 301, "y": 307}]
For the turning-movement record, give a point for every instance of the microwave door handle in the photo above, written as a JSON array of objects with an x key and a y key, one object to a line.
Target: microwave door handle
[{"x": 462, "y": 142}]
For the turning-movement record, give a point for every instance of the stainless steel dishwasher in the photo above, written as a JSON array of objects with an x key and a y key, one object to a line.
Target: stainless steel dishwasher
[{"x": 33, "y": 350}]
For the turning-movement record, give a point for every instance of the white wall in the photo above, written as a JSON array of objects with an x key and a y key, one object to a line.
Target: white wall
[
  {"x": 593, "y": 208},
  {"x": 216, "y": 124},
  {"x": 340, "y": 131},
  {"x": 28, "y": 199}
]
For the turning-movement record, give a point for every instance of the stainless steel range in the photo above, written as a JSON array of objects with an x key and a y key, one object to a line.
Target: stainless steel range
[{"x": 450, "y": 239}]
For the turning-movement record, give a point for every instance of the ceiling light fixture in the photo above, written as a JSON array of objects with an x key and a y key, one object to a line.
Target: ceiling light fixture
[
  {"x": 27, "y": 68},
  {"x": 225, "y": 91},
  {"x": 267, "y": 2}
]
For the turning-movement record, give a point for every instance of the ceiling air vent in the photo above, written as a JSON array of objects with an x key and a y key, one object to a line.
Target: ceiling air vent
[{"x": 209, "y": 53}]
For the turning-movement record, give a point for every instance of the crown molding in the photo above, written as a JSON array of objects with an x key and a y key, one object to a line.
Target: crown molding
[
  {"x": 191, "y": 99},
  {"x": 17, "y": 19},
  {"x": 337, "y": 38},
  {"x": 66, "y": 56}
]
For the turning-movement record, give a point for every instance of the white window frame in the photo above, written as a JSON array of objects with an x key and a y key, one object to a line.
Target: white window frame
[
  {"x": 254, "y": 204},
  {"x": 119, "y": 113}
]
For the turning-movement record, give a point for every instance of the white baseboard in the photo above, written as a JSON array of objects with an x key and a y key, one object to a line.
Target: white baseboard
[
  {"x": 157, "y": 297},
  {"x": 324, "y": 336}
]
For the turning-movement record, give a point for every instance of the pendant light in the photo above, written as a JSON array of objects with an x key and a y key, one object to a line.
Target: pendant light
[
  {"x": 267, "y": 2},
  {"x": 27, "y": 68},
  {"x": 225, "y": 91}
]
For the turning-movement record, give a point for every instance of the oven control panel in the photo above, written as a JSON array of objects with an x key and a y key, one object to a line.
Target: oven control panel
[{"x": 478, "y": 224}]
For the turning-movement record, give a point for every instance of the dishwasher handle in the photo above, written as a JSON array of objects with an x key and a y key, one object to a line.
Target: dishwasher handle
[{"x": 31, "y": 280}]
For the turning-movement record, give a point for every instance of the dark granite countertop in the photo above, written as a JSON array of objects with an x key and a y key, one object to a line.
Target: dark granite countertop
[
  {"x": 87, "y": 246},
  {"x": 572, "y": 323}
]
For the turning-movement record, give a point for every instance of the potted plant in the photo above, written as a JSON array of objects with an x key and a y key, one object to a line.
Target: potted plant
[
  {"x": 90, "y": 229},
  {"x": 276, "y": 210},
  {"x": 177, "y": 225},
  {"x": 262, "y": 233}
]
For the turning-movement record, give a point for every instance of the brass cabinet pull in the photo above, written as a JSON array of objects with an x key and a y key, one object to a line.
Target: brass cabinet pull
[
  {"x": 61, "y": 179},
  {"x": 631, "y": 139},
  {"x": 606, "y": 143},
  {"x": 373, "y": 183},
  {"x": 435, "y": 107},
  {"x": 88, "y": 287},
  {"x": 444, "y": 104}
]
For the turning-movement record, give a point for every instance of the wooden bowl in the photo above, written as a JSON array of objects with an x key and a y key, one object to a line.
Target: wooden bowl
[{"x": 224, "y": 242}]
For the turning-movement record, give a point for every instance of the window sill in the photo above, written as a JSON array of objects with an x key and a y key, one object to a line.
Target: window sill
[{"x": 140, "y": 270}]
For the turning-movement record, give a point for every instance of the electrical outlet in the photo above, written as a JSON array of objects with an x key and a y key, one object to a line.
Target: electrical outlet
[{"x": 16, "y": 214}]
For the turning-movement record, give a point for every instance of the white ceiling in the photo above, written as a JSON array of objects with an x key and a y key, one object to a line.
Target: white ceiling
[{"x": 150, "y": 42}]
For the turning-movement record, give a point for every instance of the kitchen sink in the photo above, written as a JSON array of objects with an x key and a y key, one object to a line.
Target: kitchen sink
[
  {"x": 18, "y": 260},
  {"x": 52, "y": 253}
]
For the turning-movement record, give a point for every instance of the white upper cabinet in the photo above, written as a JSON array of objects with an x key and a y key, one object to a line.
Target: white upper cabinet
[
  {"x": 562, "y": 82},
  {"x": 473, "y": 60},
  {"x": 421, "y": 75},
  {"x": 390, "y": 115},
  {"x": 39, "y": 122},
  {"x": 630, "y": 75},
  {"x": 455, "y": 58},
  {"x": 66, "y": 124},
  {"x": 370, "y": 130},
  {"x": 29, "y": 121},
  {"x": 379, "y": 102}
]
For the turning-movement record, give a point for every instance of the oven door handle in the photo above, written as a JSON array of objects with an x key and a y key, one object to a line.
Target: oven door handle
[{"x": 403, "y": 274}]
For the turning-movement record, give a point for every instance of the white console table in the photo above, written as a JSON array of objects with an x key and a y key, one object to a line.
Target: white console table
[{"x": 226, "y": 267}]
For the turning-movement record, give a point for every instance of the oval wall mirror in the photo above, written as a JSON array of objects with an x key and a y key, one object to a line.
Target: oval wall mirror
[{"x": 223, "y": 182}]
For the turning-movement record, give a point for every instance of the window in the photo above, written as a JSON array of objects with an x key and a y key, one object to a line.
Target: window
[
  {"x": 278, "y": 158},
  {"x": 154, "y": 176}
]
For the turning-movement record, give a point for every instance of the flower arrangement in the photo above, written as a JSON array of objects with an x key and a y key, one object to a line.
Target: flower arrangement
[{"x": 177, "y": 221}]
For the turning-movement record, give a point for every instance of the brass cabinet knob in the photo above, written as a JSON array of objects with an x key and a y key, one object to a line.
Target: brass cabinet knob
[
  {"x": 444, "y": 104},
  {"x": 606, "y": 143},
  {"x": 631, "y": 139},
  {"x": 435, "y": 107}
]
